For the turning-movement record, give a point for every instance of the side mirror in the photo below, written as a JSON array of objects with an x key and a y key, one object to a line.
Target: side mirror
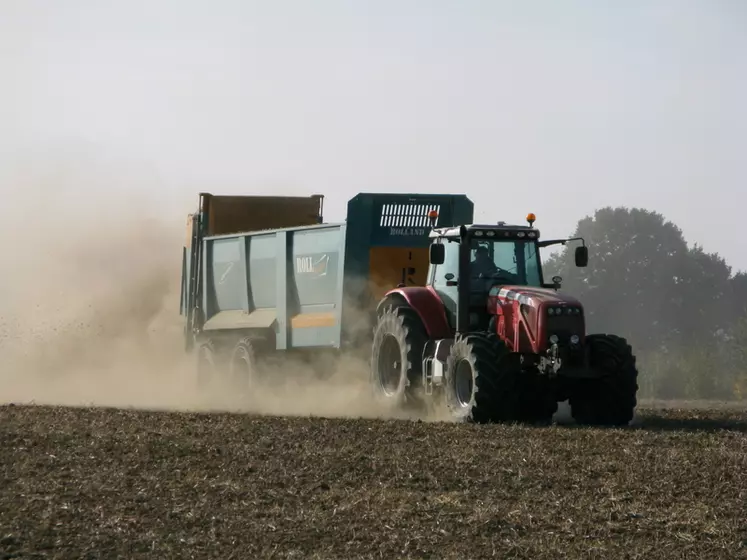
[
  {"x": 437, "y": 253},
  {"x": 582, "y": 256}
]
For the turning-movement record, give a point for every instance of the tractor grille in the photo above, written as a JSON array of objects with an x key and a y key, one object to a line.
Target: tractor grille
[{"x": 564, "y": 326}]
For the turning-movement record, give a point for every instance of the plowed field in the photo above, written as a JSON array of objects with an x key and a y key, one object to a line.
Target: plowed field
[{"x": 105, "y": 483}]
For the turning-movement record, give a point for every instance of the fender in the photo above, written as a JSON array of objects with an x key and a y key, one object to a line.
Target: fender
[{"x": 428, "y": 306}]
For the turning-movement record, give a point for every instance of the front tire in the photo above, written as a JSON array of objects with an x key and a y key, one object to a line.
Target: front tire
[
  {"x": 396, "y": 357},
  {"x": 482, "y": 380},
  {"x": 609, "y": 400}
]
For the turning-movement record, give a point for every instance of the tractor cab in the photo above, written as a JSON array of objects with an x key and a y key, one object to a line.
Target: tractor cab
[{"x": 467, "y": 261}]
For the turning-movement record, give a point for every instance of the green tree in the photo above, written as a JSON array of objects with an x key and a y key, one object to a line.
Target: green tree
[
  {"x": 680, "y": 307},
  {"x": 701, "y": 304},
  {"x": 634, "y": 256},
  {"x": 739, "y": 296}
]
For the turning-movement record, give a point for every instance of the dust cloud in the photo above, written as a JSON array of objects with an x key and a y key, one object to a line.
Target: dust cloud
[{"x": 89, "y": 310}]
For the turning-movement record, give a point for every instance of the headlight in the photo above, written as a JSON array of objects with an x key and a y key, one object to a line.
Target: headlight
[
  {"x": 574, "y": 339},
  {"x": 563, "y": 311}
]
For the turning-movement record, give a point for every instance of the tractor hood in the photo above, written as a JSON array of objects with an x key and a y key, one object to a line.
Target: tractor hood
[
  {"x": 532, "y": 296},
  {"x": 543, "y": 313}
]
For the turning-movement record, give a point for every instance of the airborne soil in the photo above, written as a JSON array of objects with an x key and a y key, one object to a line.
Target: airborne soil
[{"x": 105, "y": 483}]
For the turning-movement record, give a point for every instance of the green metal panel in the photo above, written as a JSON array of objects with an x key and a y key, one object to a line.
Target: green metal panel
[
  {"x": 401, "y": 220},
  {"x": 394, "y": 220}
]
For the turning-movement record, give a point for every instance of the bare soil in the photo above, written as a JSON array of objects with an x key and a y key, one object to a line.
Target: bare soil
[{"x": 105, "y": 483}]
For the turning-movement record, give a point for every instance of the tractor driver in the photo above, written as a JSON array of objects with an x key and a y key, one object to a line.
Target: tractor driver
[
  {"x": 483, "y": 268},
  {"x": 483, "y": 264}
]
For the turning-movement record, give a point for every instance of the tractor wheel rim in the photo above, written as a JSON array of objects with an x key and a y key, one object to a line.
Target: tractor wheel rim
[
  {"x": 463, "y": 383},
  {"x": 389, "y": 364}
]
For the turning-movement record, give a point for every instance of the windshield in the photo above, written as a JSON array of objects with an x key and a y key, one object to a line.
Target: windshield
[{"x": 504, "y": 262}]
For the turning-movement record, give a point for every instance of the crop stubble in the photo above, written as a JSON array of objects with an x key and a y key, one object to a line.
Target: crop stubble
[{"x": 94, "y": 483}]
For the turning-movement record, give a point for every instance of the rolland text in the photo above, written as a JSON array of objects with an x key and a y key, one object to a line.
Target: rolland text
[{"x": 406, "y": 231}]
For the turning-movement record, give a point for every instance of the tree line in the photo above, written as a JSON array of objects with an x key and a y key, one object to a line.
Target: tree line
[{"x": 683, "y": 309}]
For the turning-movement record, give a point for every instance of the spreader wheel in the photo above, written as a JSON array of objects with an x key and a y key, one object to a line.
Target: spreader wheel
[
  {"x": 206, "y": 360},
  {"x": 244, "y": 365},
  {"x": 609, "y": 400}
]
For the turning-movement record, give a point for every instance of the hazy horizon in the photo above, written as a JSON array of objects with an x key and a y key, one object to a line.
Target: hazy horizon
[{"x": 521, "y": 106}]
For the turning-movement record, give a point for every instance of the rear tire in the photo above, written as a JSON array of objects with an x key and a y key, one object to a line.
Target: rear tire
[
  {"x": 396, "y": 357},
  {"x": 611, "y": 399},
  {"x": 206, "y": 361},
  {"x": 482, "y": 380},
  {"x": 244, "y": 365}
]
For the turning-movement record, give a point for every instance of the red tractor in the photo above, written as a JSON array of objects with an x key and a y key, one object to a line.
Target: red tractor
[{"x": 489, "y": 337}]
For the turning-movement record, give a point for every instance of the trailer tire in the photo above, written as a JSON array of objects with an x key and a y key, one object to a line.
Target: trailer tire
[
  {"x": 609, "y": 400},
  {"x": 206, "y": 361},
  {"x": 244, "y": 365},
  {"x": 482, "y": 380},
  {"x": 396, "y": 357}
]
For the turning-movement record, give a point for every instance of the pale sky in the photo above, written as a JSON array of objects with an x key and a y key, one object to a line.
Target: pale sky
[{"x": 554, "y": 107}]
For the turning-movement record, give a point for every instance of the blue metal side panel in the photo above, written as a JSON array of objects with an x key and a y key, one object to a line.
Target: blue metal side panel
[
  {"x": 186, "y": 260},
  {"x": 316, "y": 259},
  {"x": 227, "y": 275},
  {"x": 315, "y": 256},
  {"x": 207, "y": 296},
  {"x": 281, "y": 297},
  {"x": 263, "y": 270},
  {"x": 246, "y": 293},
  {"x": 340, "y": 291},
  {"x": 315, "y": 337}
]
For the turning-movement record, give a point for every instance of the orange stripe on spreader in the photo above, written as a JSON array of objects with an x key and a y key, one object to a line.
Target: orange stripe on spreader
[{"x": 313, "y": 320}]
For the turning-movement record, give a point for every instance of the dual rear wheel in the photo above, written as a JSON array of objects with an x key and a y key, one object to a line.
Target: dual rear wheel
[
  {"x": 236, "y": 366},
  {"x": 396, "y": 359}
]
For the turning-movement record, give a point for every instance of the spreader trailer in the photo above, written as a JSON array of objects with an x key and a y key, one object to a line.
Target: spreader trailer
[{"x": 266, "y": 278}]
